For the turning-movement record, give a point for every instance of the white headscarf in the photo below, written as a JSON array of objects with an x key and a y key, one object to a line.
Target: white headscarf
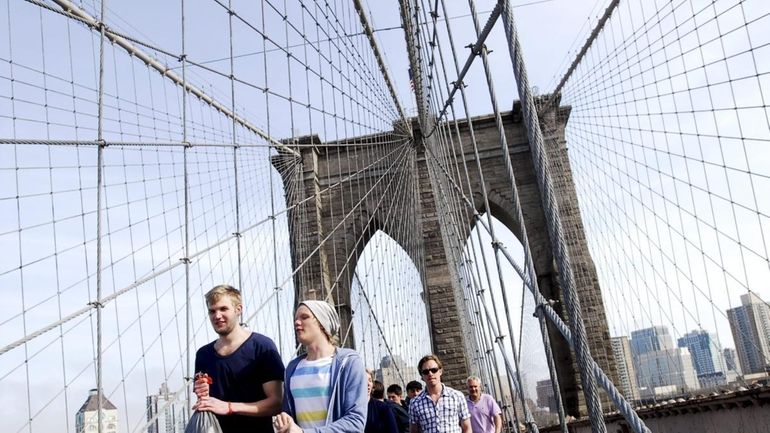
[{"x": 326, "y": 314}]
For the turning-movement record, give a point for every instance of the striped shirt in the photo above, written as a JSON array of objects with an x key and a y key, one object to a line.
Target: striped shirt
[
  {"x": 311, "y": 386},
  {"x": 444, "y": 416}
]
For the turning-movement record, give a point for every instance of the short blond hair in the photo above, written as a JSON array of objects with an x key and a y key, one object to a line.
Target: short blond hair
[{"x": 214, "y": 295}]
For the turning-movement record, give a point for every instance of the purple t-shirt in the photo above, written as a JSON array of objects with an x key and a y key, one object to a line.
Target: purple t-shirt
[{"x": 483, "y": 413}]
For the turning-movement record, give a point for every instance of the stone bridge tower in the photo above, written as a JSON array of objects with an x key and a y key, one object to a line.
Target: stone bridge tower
[{"x": 315, "y": 210}]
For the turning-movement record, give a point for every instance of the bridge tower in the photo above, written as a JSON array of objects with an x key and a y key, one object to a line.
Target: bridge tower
[{"x": 315, "y": 210}]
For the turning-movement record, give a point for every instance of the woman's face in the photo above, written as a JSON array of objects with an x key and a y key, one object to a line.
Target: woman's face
[{"x": 306, "y": 326}]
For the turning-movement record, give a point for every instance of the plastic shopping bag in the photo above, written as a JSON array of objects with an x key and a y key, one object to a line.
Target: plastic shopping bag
[{"x": 203, "y": 422}]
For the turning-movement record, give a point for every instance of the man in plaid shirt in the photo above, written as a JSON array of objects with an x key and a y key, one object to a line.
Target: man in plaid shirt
[{"x": 439, "y": 409}]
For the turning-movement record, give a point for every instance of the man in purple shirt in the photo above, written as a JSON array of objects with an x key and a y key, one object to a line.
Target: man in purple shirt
[{"x": 485, "y": 413}]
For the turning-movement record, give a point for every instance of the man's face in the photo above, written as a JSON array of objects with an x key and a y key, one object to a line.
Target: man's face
[
  {"x": 395, "y": 398},
  {"x": 369, "y": 384},
  {"x": 412, "y": 393},
  {"x": 474, "y": 390},
  {"x": 224, "y": 315},
  {"x": 306, "y": 326},
  {"x": 431, "y": 372}
]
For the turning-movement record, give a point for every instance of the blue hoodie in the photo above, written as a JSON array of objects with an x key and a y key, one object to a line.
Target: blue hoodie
[{"x": 348, "y": 404}]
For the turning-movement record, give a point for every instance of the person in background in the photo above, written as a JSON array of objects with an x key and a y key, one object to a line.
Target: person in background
[
  {"x": 325, "y": 389},
  {"x": 485, "y": 413},
  {"x": 398, "y": 406},
  {"x": 240, "y": 373},
  {"x": 413, "y": 389},
  {"x": 439, "y": 409},
  {"x": 395, "y": 394},
  {"x": 379, "y": 416}
]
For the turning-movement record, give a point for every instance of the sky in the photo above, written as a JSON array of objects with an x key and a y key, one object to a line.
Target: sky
[{"x": 48, "y": 82}]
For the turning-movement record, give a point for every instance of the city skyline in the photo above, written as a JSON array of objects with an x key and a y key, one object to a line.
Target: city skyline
[{"x": 648, "y": 358}]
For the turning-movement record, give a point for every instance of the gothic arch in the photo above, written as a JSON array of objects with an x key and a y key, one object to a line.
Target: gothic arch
[{"x": 426, "y": 246}]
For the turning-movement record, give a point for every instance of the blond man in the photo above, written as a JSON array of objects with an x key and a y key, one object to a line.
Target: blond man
[{"x": 244, "y": 371}]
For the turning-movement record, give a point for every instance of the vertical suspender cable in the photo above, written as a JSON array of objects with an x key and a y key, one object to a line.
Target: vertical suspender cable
[
  {"x": 99, "y": 218},
  {"x": 237, "y": 233},
  {"x": 528, "y": 419},
  {"x": 473, "y": 288},
  {"x": 481, "y": 173},
  {"x": 551, "y": 368},
  {"x": 186, "y": 258},
  {"x": 553, "y": 221}
]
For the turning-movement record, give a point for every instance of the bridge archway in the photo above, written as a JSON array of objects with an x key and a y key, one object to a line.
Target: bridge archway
[
  {"x": 337, "y": 203},
  {"x": 329, "y": 184},
  {"x": 389, "y": 311},
  {"x": 511, "y": 313}
]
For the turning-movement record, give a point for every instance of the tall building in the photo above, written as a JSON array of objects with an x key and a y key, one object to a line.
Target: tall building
[
  {"x": 87, "y": 417},
  {"x": 392, "y": 370},
  {"x": 731, "y": 360},
  {"x": 545, "y": 395},
  {"x": 667, "y": 368},
  {"x": 164, "y": 415},
  {"x": 621, "y": 349},
  {"x": 750, "y": 325},
  {"x": 650, "y": 339},
  {"x": 706, "y": 356}
]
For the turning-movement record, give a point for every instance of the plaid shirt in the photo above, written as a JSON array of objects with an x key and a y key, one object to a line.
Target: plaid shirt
[{"x": 443, "y": 416}]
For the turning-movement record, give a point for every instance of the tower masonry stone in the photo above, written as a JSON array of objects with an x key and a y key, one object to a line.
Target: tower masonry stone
[{"x": 328, "y": 245}]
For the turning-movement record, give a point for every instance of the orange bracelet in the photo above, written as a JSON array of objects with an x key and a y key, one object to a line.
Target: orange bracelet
[{"x": 229, "y": 408}]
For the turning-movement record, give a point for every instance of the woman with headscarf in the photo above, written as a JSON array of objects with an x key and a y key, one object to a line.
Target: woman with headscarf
[{"x": 325, "y": 389}]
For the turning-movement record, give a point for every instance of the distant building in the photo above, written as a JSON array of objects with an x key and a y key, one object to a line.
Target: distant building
[
  {"x": 545, "y": 395},
  {"x": 659, "y": 392},
  {"x": 706, "y": 356},
  {"x": 712, "y": 380},
  {"x": 87, "y": 417},
  {"x": 731, "y": 360},
  {"x": 757, "y": 378},
  {"x": 668, "y": 367},
  {"x": 643, "y": 343},
  {"x": 621, "y": 349},
  {"x": 163, "y": 414},
  {"x": 393, "y": 369},
  {"x": 750, "y": 325},
  {"x": 650, "y": 339}
]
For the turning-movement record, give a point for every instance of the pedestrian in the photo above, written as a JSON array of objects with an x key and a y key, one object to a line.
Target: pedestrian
[
  {"x": 241, "y": 372},
  {"x": 413, "y": 389},
  {"x": 395, "y": 395},
  {"x": 398, "y": 405},
  {"x": 438, "y": 409},
  {"x": 325, "y": 389},
  {"x": 485, "y": 412},
  {"x": 379, "y": 416}
]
